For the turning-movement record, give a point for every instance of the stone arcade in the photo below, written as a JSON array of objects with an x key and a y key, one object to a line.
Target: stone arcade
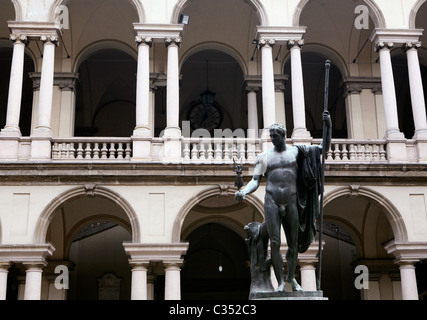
[{"x": 98, "y": 176}]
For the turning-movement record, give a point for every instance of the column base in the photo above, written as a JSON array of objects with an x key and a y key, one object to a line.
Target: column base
[
  {"x": 143, "y": 132},
  {"x": 396, "y": 146},
  {"x": 41, "y": 148},
  {"x": 301, "y": 134},
  {"x": 171, "y": 151},
  {"x": 10, "y": 132},
  {"x": 9, "y": 147},
  {"x": 421, "y": 145},
  {"x": 141, "y": 148}
]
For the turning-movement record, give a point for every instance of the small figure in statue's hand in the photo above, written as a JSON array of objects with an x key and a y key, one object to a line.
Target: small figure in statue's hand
[{"x": 238, "y": 168}]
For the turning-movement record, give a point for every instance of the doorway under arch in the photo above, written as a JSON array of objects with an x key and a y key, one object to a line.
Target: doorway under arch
[
  {"x": 87, "y": 230},
  {"x": 216, "y": 264},
  {"x": 356, "y": 229}
]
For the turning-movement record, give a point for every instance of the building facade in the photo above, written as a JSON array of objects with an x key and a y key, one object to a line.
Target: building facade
[{"x": 121, "y": 121}]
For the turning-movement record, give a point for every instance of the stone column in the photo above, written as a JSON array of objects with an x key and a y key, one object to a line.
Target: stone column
[
  {"x": 417, "y": 99},
  {"x": 279, "y": 91},
  {"x": 298, "y": 101},
  {"x": 139, "y": 281},
  {"x": 268, "y": 96},
  {"x": 141, "y": 138},
  {"x": 4, "y": 266},
  {"x": 416, "y": 87},
  {"x": 9, "y": 136},
  {"x": 252, "y": 112},
  {"x": 408, "y": 279},
  {"x": 172, "y": 85},
  {"x": 396, "y": 147},
  {"x": 172, "y": 280},
  {"x": 308, "y": 276},
  {"x": 354, "y": 112},
  {"x": 66, "y": 82},
  {"x": 46, "y": 85},
  {"x": 33, "y": 281},
  {"x": 143, "y": 87},
  {"x": 389, "y": 94},
  {"x": 172, "y": 133},
  {"x": 307, "y": 262},
  {"x": 41, "y": 145},
  {"x": 15, "y": 86}
]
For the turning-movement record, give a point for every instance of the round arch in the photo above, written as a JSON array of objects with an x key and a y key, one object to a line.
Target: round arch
[
  {"x": 374, "y": 11},
  {"x": 102, "y": 45},
  {"x": 391, "y": 212},
  {"x": 209, "y": 192},
  {"x": 326, "y": 51},
  {"x": 54, "y": 8},
  {"x": 219, "y": 47},
  {"x": 18, "y": 10},
  {"x": 84, "y": 191},
  {"x": 413, "y": 14},
  {"x": 181, "y": 4}
]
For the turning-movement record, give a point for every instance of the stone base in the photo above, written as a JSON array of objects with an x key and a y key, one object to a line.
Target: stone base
[{"x": 294, "y": 295}]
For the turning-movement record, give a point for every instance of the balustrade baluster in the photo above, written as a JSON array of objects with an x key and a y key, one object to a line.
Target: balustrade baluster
[
  {"x": 344, "y": 152},
  {"x": 367, "y": 152},
  {"x": 88, "y": 151},
  {"x": 128, "y": 151},
  {"x": 96, "y": 150},
  {"x": 218, "y": 150},
  {"x": 104, "y": 151},
  {"x": 194, "y": 152},
  {"x": 337, "y": 156},
  {"x": 80, "y": 151},
  {"x": 186, "y": 150},
  {"x": 210, "y": 152},
  {"x": 112, "y": 151},
  {"x": 120, "y": 151}
]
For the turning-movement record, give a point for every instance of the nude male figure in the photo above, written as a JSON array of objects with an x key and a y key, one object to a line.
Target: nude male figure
[{"x": 279, "y": 165}]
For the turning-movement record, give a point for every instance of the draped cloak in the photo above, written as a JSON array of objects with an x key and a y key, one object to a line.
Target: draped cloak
[{"x": 309, "y": 187}]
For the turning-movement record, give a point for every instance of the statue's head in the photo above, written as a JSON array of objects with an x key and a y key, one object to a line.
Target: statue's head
[{"x": 279, "y": 128}]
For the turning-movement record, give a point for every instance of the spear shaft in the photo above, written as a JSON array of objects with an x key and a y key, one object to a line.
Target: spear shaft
[{"x": 322, "y": 173}]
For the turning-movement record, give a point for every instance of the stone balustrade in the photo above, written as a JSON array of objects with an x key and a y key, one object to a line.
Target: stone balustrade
[{"x": 208, "y": 150}]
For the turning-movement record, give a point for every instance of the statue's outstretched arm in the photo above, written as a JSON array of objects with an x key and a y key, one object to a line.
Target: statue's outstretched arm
[{"x": 253, "y": 185}]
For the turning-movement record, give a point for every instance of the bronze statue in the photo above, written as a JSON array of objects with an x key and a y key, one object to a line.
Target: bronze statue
[{"x": 293, "y": 186}]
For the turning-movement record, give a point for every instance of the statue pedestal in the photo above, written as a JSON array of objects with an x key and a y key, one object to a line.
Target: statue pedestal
[{"x": 294, "y": 295}]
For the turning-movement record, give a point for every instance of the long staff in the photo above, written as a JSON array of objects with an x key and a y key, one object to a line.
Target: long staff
[{"x": 322, "y": 173}]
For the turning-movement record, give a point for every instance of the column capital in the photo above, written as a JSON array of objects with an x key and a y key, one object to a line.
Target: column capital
[
  {"x": 266, "y": 42},
  {"x": 252, "y": 89},
  {"x": 280, "y": 81},
  {"x": 173, "y": 40},
  {"x": 19, "y": 38},
  {"x": 5, "y": 265},
  {"x": 292, "y": 43},
  {"x": 411, "y": 45},
  {"x": 173, "y": 264},
  {"x": 383, "y": 45},
  {"x": 378, "y": 90},
  {"x": 410, "y": 252},
  {"x": 34, "y": 265},
  {"x": 143, "y": 40},
  {"x": 49, "y": 38}
]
